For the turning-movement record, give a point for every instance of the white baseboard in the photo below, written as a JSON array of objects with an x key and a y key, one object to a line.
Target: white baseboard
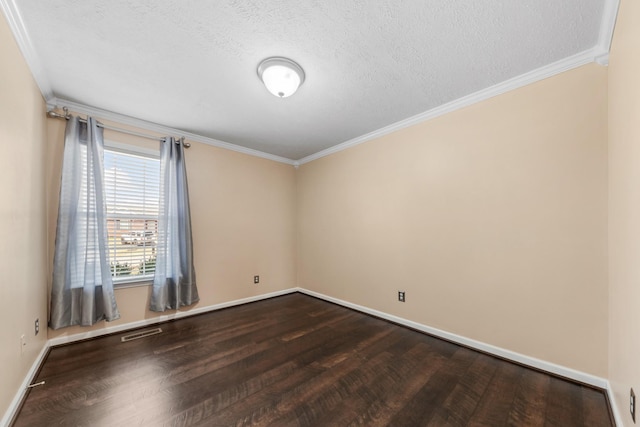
[
  {"x": 617, "y": 417},
  {"x": 488, "y": 348},
  {"x": 155, "y": 320},
  {"x": 478, "y": 345},
  {"x": 17, "y": 399}
]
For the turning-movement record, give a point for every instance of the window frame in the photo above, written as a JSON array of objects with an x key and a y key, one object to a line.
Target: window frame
[{"x": 110, "y": 145}]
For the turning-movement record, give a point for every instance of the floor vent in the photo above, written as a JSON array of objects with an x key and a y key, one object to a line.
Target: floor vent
[{"x": 141, "y": 334}]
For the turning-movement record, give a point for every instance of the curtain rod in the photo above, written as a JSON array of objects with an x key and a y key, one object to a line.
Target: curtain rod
[{"x": 67, "y": 116}]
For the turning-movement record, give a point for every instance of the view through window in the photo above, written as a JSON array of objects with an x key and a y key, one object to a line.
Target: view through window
[{"x": 132, "y": 184}]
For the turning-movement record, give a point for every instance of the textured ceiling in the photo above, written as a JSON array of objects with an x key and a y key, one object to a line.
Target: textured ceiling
[{"x": 191, "y": 65}]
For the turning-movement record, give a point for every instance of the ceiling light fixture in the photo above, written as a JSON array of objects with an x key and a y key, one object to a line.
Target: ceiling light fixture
[{"x": 281, "y": 76}]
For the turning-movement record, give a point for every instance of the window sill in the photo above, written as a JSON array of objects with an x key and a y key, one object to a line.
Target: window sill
[{"x": 135, "y": 283}]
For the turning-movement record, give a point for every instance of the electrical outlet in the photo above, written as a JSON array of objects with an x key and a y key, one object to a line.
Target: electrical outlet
[
  {"x": 632, "y": 405},
  {"x": 401, "y": 296},
  {"x": 37, "y": 326},
  {"x": 256, "y": 279},
  {"x": 23, "y": 343}
]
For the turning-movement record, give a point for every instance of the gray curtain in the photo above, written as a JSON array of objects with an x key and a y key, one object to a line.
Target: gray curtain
[
  {"x": 174, "y": 283},
  {"x": 82, "y": 290}
]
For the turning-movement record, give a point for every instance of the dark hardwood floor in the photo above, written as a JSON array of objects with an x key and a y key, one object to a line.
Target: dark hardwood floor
[{"x": 297, "y": 361}]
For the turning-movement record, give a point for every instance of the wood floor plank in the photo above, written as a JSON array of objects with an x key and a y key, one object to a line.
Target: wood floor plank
[
  {"x": 295, "y": 360},
  {"x": 495, "y": 404},
  {"x": 285, "y": 400},
  {"x": 252, "y": 366},
  {"x": 422, "y": 406},
  {"x": 566, "y": 405},
  {"x": 459, "y": 407},
  {"x": 530, "y": 400},
  {"x": 593, "y": 401},
  {"x": 374, "y": 402}
]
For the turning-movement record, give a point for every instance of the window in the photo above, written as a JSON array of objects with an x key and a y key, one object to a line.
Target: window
[{"x": 132, "y": 182}]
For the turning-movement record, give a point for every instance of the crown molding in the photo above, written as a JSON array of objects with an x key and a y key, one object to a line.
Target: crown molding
[
  {"x": 14, "y": 19},
  {"x": 547, "y": 71},
  {"x": 165, "y": 130},
  {"x": 602, "y": 59},
  {"x": 607, "y": 26},
  {"x": 598, "y": 54}
]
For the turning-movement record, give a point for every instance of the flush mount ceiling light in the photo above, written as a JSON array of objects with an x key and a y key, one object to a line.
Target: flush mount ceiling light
[{"x": 281, "y": 76}]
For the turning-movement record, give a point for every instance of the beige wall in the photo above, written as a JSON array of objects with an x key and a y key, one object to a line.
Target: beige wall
[
  {"x": 23, "y": 260},
  {"x": 242, "y": 210},
  {"x": 624, "y": 208},
  {"x": 491, "y": 218}
]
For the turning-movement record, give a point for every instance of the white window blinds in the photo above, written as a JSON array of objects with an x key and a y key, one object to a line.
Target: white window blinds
[{"x": 132, "y": 195}]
